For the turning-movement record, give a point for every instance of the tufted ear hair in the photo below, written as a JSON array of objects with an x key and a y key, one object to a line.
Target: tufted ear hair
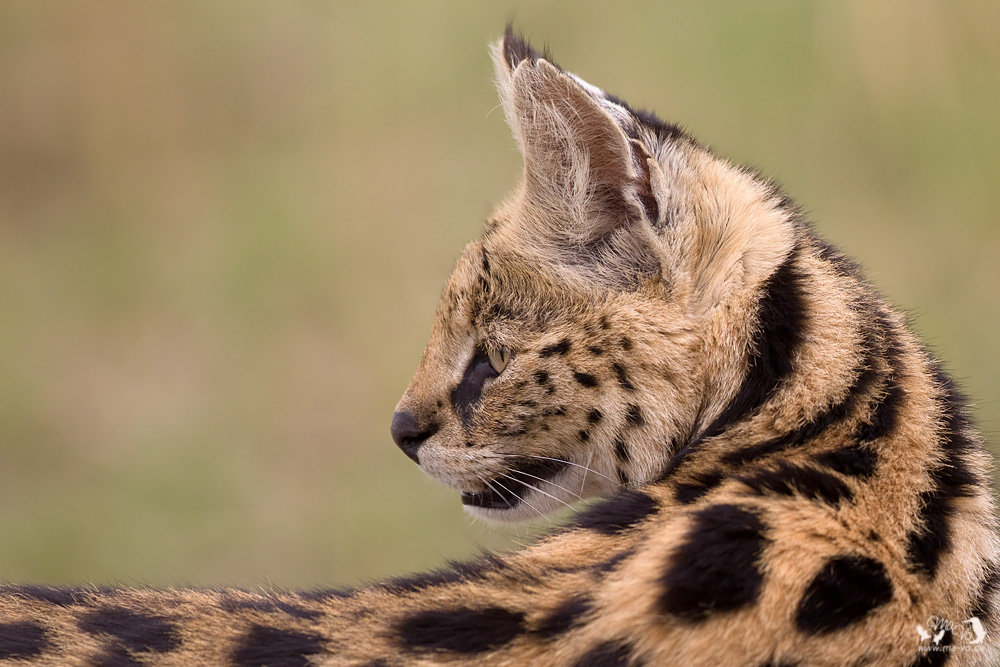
[{"x": 581, "y": 166}]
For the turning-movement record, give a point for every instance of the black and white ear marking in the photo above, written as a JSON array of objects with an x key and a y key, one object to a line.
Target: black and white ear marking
[{"x": 516, "y": 49}]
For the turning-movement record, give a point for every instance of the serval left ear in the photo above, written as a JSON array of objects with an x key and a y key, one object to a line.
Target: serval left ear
[{"x": 579, "y": 159}]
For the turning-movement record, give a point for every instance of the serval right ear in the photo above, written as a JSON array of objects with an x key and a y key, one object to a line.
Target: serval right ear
[{"x": 580, "y": 165}]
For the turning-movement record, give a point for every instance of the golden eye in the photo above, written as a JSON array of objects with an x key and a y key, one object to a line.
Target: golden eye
[{"x": 499, "y": 359}]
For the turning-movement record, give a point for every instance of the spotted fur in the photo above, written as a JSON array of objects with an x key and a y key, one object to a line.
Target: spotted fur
[{"x": 790, "y": 478}]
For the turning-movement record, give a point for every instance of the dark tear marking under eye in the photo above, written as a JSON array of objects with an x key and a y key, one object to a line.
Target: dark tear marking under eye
[
  {"x": 265, "y": 646},
  {"x": 780, "y": 319},
  {"x": 561, "y": 348},
  {"x": 609, "y": 654},
  {"x": 464, "y": 630},
  {"x": 466, "y": 395},
  {"x": 618, "y": 513},
  {"x": 688, "y": 493},
  {"x": 135, "y": 630},
  {"x": 717, "y": 567},
  {"x": 843, "y": 593},
  {"x": 788, "y": 479},
  {"x": 22, "y": 640}
]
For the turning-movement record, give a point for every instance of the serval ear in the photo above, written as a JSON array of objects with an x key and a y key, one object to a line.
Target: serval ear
[{"x": 582, "y": 168}]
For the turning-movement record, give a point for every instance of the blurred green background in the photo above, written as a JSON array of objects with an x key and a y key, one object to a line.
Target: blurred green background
[{"x": 224, "y": 227}]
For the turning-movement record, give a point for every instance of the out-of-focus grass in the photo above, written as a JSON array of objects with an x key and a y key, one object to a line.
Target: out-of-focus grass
[{"x": 224, "y": 227}]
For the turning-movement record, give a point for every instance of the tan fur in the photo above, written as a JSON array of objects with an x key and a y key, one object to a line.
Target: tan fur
[{"x": 640, "y": 284}]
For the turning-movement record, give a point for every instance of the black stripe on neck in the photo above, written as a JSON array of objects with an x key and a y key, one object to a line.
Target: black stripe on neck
[{"x": 781, "y": 317}]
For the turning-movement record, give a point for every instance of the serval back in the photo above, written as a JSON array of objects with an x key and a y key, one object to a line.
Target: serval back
[{"x": 791, "y": 479}]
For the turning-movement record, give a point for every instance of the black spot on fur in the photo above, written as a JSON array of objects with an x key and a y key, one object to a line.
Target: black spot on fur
[
  {"x": 926, "y": 544},
  {"x": 703, "y": 483},
  {"x": 326, "y": 594},
  {"x": 842, "y": 264},
  {"x": 833, "y": 414},
  {"x": 939, "y": 656},
  {"x": 456, "y": 572},
  {"x": 595, "y": 350},
  {"x": 989, "y": 590},
  {"x": 853, "y": 461},
  {"x": 618, "y": 513},
  {"x": 787, "y": 479},
  {"x": 586, "y": 379},
  {"x": 623, "y": 380},
  {"x": 265, "y": 646},
  {"x": 883, "y": 417},
  {"x": 633, "y": 415},
  {"x": 561, "y": 348},
  {"x": 137, "y": 631},
  {"x": 626, "y": 343},
  {"x": 466, "y": 395},
  {"x": 22, "y": 640},
  {"x": 61, "y": 597},
  {"x": 541, "y": 377},
  {"x": 951, "y": 479},
  {"x": 623, "y": 478},
  {"x": 115, "y": 656},
  {"x": 594, "y": 416},
  {"x": 781, "y": 316},
  {"x": 608, "y": 654},
  {"x": 584, "y": 436},
  {"x": 563, "y": 618},
  {"x": 612, "y": 563},
  {"x": 716, "y": 568},
  {"x": 621, "y": 451},
  {"x": 465, "y": 630},
  {"x": 270, "y": 605},
  {"x": 844, "y": 591}
]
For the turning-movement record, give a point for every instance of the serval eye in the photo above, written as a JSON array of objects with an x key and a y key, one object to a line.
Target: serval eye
[{"x": 499, "y": 359}]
